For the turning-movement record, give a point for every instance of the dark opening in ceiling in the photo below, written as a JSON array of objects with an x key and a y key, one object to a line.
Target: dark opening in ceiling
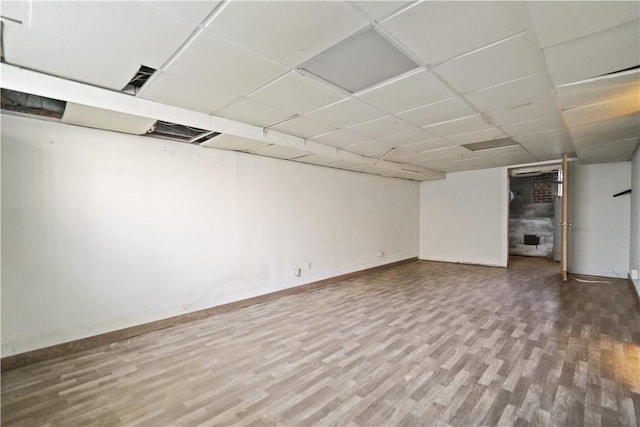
[
  {"x": 36, "y": 105},
  {"x": 181, "y": 133},
  {"x": 140, "y": 78}
]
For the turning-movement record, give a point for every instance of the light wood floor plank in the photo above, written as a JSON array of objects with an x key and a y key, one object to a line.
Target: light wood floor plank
[{"x": 423, "y": 343}]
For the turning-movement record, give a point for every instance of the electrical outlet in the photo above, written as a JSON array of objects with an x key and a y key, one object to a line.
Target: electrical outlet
[
  {"x": 297, "y": 272},
  {"x": 380, "y": 253}
]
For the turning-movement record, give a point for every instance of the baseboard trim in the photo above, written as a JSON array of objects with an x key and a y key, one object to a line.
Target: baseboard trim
[
  {"x": 70, "y": 347},
  {"x": 477, "y": 264}
]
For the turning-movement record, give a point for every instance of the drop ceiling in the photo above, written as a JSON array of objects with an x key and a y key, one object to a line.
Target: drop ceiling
[{"x": 554, "y": 77}]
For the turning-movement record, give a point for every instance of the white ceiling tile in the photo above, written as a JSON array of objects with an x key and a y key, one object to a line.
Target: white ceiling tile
[
  {"x": 339, "y": 138},
  {"x": 290, "y": 32},
  {"x": 473, "y": 163},
  {"x": 439, "y": 165},
  {"x": 235, "y": 143},
  {"x": 99, "y": 118},
  {"x": 458, "y": 126},
  {"x": 304, "y": 127},
  {"x": 91, "y": 25},
  {"x": 609, "y": 151},
  {"x": 281, "y": 152},
  {"x": 602, "y": 111},
  {"x": 436, "y": 31},
  {"x": 617, "y": 129},
  {"x": 514, "y": 159},
  {"x": 599, "y": 90},
  {"x": 346, "y": 113},
  {"x": 549, "y": 145},
  {"x": 533, "y": 126},
  {"x": 297, "y": 93},
  {"x": 65, "y": 58},
  {"x": 253, "y": 112},
  {"x": 551, "y": 152},
  {"x": 431, "y": 144},
  {"x": 594, "y": 55},
  {"x": 16, "y": 10},
  {"x": 368, "y": 148},
  {"x": 501, "y": 62},
  {"x": 378, "y": 9},
  {"x": 193, "y": 11},
  {"x": 407, "y": 137},
  {"x": 534, "y": 111},
  {"x": 450, "y": 153},
  {"x": 316, "y": 159},
  {"x": 551, "y": 137},
  {"x": 400, "y": 155},
  {"x": 408, "y": 92},
  {"x": 501, "y": 152},
  {"x": 199, "y": 78},
  {"x": 559, "y": 21},
  {"x": 380, "y": 127},
  {"x": 511, "y": 94},
  {"x": 477, "y": 136},
  {"x": 441, "y": 111}
]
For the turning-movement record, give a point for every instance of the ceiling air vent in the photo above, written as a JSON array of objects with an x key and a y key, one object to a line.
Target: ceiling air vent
[
  {"x": 360, "y": 62},
  {"x": 33, "y": 105},
  {"x": 487, "y": 145},
  {"x": 180, "y": 133},
  {"x": 140, "y": 78}
]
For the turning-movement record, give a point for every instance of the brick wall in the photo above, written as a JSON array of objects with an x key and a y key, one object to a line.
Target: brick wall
[{"x": 542, "y": 188}]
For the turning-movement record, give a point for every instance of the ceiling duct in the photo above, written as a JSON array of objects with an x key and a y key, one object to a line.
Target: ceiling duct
[
  {"x": 35, "y": 105},
  {"x": 180, "y": 133}
]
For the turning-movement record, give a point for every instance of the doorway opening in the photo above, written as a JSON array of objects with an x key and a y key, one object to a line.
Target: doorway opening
[{"x": 535, "y": 212}]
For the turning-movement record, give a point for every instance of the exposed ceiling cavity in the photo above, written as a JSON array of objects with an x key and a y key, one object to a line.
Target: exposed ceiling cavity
[
  {"x": 30, "y": 104},
  {"x": 143, "y": 74},
  {"x": 180, "y": 133}
]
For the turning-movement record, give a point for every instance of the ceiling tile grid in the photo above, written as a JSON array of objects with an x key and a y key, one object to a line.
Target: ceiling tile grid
[
  {"x": 298, "y": 93},
  {"x": 454, "y": 28},
  {"x": 199, "y": 77},
  {"x": 248, "y": 110},
  {"x": 303, "y": 127},
  {"x": 417, "y": 89},
  {"x": 556, "y": 77},
  {"x": 506, "y": 60},
  {"x": 290, "y": 32},
  {"x": 437, "y": 112}
]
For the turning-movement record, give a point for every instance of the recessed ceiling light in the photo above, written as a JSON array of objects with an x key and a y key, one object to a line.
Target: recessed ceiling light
[
  {"x": 359, "y": 62},
  {"x": 494, "y": 143}
]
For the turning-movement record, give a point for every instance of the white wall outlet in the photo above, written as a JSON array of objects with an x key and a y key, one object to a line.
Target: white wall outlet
[
  {"x": 380, "y": 253},
  {"x": 634, "y": 274},
  {"x": 297, "y": 272}
]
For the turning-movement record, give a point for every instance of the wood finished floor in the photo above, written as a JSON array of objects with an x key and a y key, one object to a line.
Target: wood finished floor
[{"x": 421, "y": 344}]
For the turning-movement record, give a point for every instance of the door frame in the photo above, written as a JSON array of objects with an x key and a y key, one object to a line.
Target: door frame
[{"x": 552, "y": 165}]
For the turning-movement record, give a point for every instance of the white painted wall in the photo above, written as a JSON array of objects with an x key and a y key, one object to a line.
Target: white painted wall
[
  {"x": 464, "y": 218},
  {"x": 102, "y": 231},
  {"x": 634, "y": 246},
  {"x": 599, "y": 235}
]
